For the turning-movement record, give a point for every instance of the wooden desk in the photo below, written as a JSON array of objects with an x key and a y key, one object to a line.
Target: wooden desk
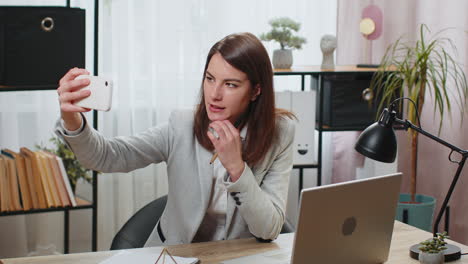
[{"x": 404, "y": 236}]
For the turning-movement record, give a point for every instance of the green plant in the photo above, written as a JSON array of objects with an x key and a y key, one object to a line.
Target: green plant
[
  {"x": 282, "y": 32},
  {"x": 416, "y": 68},
  {"x": 435, "y": 244},
  {"x": 74, "y": 169}
]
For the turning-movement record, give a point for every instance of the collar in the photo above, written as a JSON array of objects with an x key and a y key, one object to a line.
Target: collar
[{"x": 243, "y": 133}]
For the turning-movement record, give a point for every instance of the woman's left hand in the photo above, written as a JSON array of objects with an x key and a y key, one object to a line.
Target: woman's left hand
[{"x": 229, "y": 147}]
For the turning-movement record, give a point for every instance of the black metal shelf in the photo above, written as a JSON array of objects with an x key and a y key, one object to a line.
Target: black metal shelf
[
  {"x": 316, "y": 75},
  {"x": 299, "y": 73},
  {"x": 20, "y": 88},
  {"x": 351, "y": 128},
  {"x": 47, "y": 210},
  {"x": 90, "y": 205},
  {"x": 336, "y": 129},
  {"x": 305, "y": 166}
]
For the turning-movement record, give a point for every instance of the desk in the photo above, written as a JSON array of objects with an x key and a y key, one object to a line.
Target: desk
[{"x": 214, "y": 252}]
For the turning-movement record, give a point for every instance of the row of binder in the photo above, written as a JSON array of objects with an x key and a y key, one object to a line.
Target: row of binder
[{"x": 33, "y": 180}]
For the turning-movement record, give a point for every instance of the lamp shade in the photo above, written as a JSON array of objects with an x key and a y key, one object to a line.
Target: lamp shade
[{"x": 378, "y": 142}]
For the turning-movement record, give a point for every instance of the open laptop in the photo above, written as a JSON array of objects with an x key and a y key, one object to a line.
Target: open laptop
[{"x": 349, "y": 222}]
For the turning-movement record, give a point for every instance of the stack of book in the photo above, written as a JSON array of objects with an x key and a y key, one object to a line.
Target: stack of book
[{"x": 33, "y": 180}]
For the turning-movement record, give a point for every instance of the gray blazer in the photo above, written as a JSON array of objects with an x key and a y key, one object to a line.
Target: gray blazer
[{"x": 262, "y": 190}]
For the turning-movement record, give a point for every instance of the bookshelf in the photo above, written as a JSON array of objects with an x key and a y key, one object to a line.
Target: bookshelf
[
  {"x": 81, "y": 204},
  {"x": 344, "y": 78}
]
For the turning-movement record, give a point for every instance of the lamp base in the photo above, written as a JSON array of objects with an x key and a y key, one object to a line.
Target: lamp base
[{"x": 452, "y": 252}]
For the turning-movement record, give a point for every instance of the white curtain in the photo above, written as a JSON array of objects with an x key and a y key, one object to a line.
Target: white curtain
[{"x": 154, "y": 51}]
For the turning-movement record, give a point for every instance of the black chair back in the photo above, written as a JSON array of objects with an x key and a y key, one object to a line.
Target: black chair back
[{"x": 137, "y": 229}]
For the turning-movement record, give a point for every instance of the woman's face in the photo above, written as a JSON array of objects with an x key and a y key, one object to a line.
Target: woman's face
[{"x": 227, "y": 90}]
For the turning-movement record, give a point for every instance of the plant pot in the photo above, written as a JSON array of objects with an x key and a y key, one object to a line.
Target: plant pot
[
  {"x": 431, "y": 258},
  {"x": 282, "y": 59},
  {"x": 420, "y": 214}
]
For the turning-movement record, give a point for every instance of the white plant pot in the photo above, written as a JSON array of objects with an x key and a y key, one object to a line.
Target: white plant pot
[
  {"x": 282, "y": 59},
  {"x": 431, "y": 258}
]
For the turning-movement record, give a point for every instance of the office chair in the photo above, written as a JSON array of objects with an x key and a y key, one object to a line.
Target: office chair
[{"x": 137, "y": 229}]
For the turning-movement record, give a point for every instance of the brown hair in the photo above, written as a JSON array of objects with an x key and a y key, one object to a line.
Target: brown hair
[{"x": 245, "y": 52}]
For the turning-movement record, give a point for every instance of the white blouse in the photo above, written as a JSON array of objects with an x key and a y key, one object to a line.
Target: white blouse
[{"x": 213, "y": 225}]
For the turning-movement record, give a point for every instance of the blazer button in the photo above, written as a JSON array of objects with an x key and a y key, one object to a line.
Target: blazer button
[{"x": 238, "y": 203}]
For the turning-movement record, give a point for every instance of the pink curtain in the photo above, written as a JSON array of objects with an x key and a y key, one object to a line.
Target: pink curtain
[{"x": 435, "y": 171}]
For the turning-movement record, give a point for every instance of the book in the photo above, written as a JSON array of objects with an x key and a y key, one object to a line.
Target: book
[
  {"x": 15, "y": 200},
  {"x": 30, "y": 180},
  {"x": 22, "y": 177},
  {"x": 37, "y": 177},
  {"x": 4, "y": 187},
  {"x": 66, "y": 180},
  {"x": 62, "y": 192},
  {"x": 48, "y": 178}
]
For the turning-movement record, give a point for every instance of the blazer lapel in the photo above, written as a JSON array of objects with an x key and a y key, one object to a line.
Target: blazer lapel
[
  {"x": 206, "y": 175},
  {"x": 205, "y": 182}
]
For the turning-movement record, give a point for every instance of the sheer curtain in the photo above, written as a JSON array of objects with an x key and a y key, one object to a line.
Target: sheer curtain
[{"x": 155, "y": 51}]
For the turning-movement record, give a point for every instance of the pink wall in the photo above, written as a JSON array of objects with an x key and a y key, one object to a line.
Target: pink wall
[{"x": 435, "y": 172}]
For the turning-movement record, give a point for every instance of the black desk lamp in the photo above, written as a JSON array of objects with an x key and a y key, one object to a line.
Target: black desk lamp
[{"x": 378, "y": 142}]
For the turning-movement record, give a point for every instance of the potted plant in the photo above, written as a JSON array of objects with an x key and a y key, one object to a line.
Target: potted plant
[
  {"x": 282, "y": 32},
  {"x": 432, "y": 250},
  {"x": 417, "y": 68},
  {"x": 74, "y": 169}
]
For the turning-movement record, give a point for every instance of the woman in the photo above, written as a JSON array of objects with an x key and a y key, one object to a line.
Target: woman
[{"x": 228, "y": 163}]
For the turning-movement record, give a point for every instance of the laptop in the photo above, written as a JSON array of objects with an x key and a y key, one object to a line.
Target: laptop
[{"x": 349, "y": 222}]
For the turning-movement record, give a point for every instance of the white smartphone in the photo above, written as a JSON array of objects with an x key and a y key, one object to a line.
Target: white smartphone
[{"x": 101, "y": 93}]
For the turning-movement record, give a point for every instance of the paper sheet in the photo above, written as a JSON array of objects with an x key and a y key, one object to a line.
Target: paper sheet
[{"x": 128, "y": 257}]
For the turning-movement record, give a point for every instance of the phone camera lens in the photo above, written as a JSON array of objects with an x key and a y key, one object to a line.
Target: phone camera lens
[{"x": 107, "y": 84}]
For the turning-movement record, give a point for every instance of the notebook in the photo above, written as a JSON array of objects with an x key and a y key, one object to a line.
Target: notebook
[{"x": 350, "y": 222}]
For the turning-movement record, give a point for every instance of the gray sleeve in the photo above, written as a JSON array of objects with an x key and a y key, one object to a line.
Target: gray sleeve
[
  {"x": 119, "y": 154},
  {"x": 263, "y": 206}
]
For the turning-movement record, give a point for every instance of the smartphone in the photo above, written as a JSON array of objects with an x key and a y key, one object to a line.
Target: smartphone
[{"x": 101, "y": 93}]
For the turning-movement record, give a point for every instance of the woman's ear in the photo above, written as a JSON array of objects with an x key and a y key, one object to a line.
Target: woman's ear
[{"x": 256, "y": 92}]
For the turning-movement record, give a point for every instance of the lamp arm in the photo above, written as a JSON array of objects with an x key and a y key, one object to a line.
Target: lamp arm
[
  {"x": 435, "y": 228},
  {"x": 407, "y": 124}
]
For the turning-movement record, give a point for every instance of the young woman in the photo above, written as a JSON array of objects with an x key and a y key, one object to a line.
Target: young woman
[{"x": 228, "y": 162}]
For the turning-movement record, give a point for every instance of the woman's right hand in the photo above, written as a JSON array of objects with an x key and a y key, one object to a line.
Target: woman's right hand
[{"x": 69, "y": 92}]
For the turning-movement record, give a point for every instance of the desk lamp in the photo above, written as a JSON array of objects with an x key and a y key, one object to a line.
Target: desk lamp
[{"x": 378, "y": 142}]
